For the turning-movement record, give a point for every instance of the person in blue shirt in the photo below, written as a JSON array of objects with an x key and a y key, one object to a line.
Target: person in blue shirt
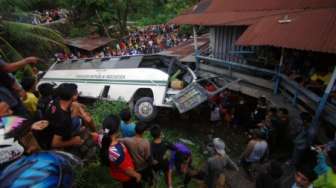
[{"x": 127, "y": 127}]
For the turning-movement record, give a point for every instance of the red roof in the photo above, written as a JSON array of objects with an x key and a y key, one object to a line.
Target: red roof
[
  {"x": 235, "y": 12},
  {"x": 259, "y": 5},
  {"x": 308, "y": 30},
  {"x": 226, "y": 18},
  {"x": 312, "y": 26}
]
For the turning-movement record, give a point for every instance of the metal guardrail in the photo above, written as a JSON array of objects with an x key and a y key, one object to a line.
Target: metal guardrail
[
  {"x": 298, "y": 95},
  {"x": 238, "y": 66}
]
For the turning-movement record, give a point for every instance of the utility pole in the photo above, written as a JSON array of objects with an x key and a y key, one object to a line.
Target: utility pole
[
  {"x": 322, "y": 104},
  {"x": 196, "y": 48},
  {"x": 278, "y": 75}
]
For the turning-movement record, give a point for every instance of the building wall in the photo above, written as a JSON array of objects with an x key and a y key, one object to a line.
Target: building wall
[{"x": 222, "y": 40}]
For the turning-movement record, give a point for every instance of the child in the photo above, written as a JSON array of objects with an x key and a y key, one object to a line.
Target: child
[
  {"x": 127, "y": 128},
  {"x": 115, "y": 154},
  {"x": 159, "y": 153},
  {"x": 328, "y": 178},
  {"x": 304, "y": 176},
  {"x": 30, "y": 101},
  {"x": 180, "y": 160},
  {"x": 139, "y": 148}
]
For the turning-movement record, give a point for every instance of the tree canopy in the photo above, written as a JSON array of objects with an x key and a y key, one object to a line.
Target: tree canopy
[
  {"x": 103, "y": 16},
  {"x": 117, "y": 13}
]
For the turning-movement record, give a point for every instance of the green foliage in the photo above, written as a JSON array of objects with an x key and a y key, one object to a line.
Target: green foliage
[
  {"x": 23, "y": 6},
  {"x": 116, "y": 13},
  {"x": 26, "y": 39},
  {"x": 163, "y": 11},
  {"x": 94, "y": 176},
  {"x": 20, "y": 39},
  {"x": 78, "y": 32},
  {"x": 8, "y": 52},
  {"x": 102, "y": 109}
]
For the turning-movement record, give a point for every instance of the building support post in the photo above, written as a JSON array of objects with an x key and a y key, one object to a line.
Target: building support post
[
  {"x": 296, "y": 94},
  {"x": 323, "y": 103},
  {"x": 278, "y": 75},
  {"x": 196, "y": 48}
]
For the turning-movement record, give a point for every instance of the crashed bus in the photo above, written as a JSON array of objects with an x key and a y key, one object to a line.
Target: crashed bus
[{"x": 144, "y": 82}]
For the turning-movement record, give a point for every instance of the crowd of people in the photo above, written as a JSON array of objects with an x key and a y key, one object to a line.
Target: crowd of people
[
  {"x": 149, "y": 40},
  {"x": 275, "y": 138},
  {"x": 48, "y": 16},
  {"x": 308, "y": 74},
  {"x": 55, "y": 120}
]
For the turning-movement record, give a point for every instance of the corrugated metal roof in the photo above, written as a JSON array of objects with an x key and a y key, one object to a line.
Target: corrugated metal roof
[
  {"x": 226, "y": 18},
  {"x": 309, "y": 30},
  {"x": 88, "y": 43},
  {"x": 313, "y": 25},
  {"x": 257, "y": 5},
  {"x": 232, "y": 12}
]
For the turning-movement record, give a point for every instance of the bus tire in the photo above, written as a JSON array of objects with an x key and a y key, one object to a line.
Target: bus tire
[{"x": 144, "y": 109}]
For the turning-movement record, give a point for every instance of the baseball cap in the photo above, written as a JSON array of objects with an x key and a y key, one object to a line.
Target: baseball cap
[{"x": 219, "y": 146}]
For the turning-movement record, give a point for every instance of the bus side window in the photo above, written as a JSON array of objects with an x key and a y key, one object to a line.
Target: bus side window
[{"x": 105, "y": 92}]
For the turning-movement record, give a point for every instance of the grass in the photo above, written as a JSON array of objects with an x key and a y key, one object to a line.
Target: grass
[{"x": 94, "y": 175}]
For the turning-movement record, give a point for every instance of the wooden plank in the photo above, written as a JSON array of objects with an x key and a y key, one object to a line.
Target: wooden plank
[
  {"x": 242, "y": 66},
  {"x": 251, "y": 79},
  {"x": 311, "y": 103},
  {"x": 302, "y": 90},
  {"x": 255, "y": 87},
  {"x": 242, "y": 87}
]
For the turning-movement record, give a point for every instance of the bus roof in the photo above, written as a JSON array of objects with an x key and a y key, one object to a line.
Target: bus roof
[{"x": 103, "y": 63}]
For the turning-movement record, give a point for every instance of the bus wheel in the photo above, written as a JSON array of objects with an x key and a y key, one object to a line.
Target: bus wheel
[{"x": 144, "y": 109}]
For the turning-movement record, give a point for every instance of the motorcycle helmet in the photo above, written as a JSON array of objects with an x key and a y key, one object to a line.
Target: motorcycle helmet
[{"x": 40, "y": 170}]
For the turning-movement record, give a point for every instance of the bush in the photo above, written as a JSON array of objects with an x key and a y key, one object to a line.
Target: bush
[
  {"x": 94, "y": 176},
  {"x": 102, "y": 109}
]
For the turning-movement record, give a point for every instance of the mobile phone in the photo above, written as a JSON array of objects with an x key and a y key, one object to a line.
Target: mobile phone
[{"x": 313, "y": 148}]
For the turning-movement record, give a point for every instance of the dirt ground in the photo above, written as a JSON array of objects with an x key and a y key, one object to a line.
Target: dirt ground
[{"x": 195, "y": 125}]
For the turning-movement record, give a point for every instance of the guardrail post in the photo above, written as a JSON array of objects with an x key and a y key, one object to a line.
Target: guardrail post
[
  {"x": 198, "y": 60},
  {"x": 322, "y": 104},
  {"x": 197, "y": 53},
  {"x": 294, "y": 100},
  {"x": 277, "y": 81},
  {"x": 230, "y": 69},
  {"x": 278, "y": 75}
]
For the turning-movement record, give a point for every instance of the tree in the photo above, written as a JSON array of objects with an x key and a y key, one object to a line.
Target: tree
[
  {"x": 102, "y": 13},
  {"x": 21, "y": 39}
]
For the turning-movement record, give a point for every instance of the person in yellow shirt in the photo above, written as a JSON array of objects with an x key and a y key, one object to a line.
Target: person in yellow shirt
[
  {"x": 318, "y": 81},
  {"x": 328, "y": 178},
  {"x": 30, "y": 100},
  {"x": 323, "y": 76}
]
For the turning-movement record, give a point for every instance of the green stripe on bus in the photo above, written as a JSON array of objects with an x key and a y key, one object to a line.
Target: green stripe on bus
[{"x": 103, "y": 81}]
